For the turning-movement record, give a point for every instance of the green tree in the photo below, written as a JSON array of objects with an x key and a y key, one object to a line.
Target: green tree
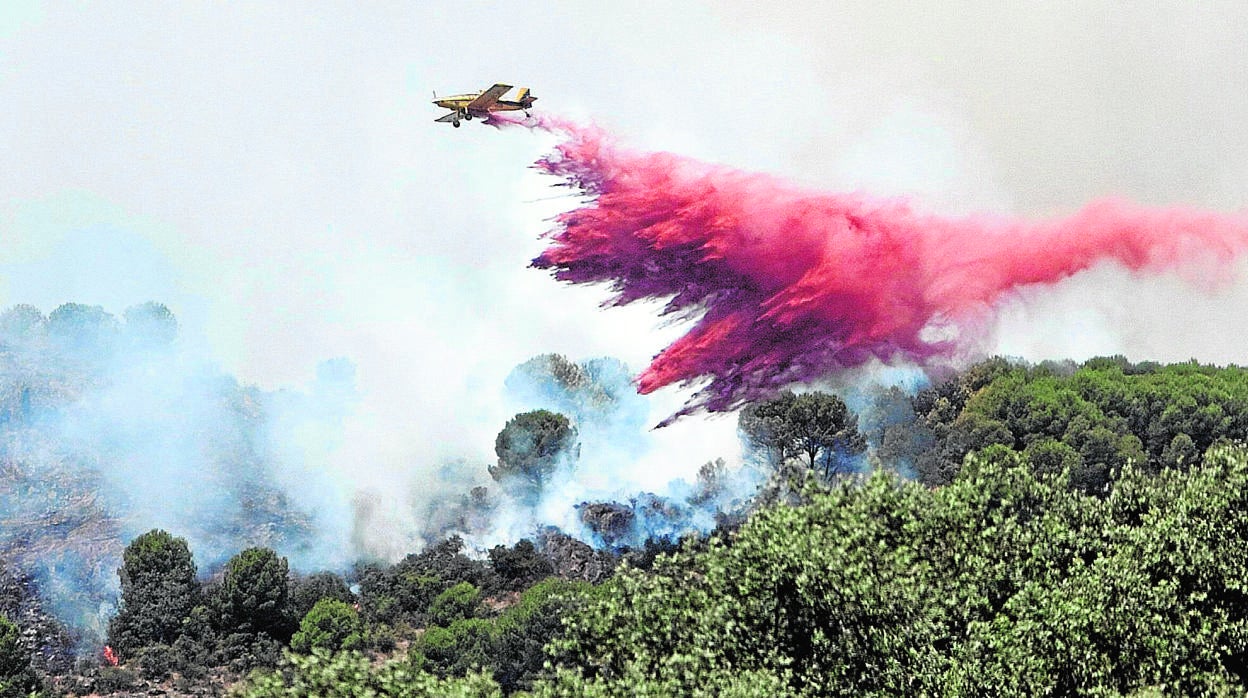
[
  {"x": 21, "y": 324},
  {"x": 253, "y": 594},
  {"x": 765, "y": 428},
  {"x": 530, "y": 448},
  {"x": 519, "y": 566},
  {"x": 306, "y": 591},
  {"x": 158, "y": 592},
  {"x": 85, "y": 330},
  {"x": 999, "y": 583},
  {"x": 17, "y": 678},
  {"x": 815, "y": 427},
  {"x": 331, "y": 625},
  {"x": 150, "y": 325},
  {"x": 325, "y": 675},
  {"x": 460, "y": 601},
  {"x": 522, "y": 632},
  {"x": 1181, "y": 452},
  {"x": 1051, "y": 457},
  {"x": 466, "y": 645}
]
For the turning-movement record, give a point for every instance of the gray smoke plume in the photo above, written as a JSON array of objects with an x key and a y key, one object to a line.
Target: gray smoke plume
[
  {"x": 594, "y": 493},
  {"x": 109, "y": 428}
]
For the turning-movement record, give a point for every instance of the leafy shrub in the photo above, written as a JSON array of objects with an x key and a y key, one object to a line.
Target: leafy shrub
[
  {"x": 379, "y": 637},
  {"x": 306, "y": 591},
  {"x": 242, "y": 652},
  {"x": 519, "y": 566},
  {"x": 522, "y": 632},
  {"x": 116, "y": 679},
  {"x": 156, "y": 662},
  {"x": 752, "y": 683},
  {"x": 325, "y": 675},
  {"x": 463, "y": 647},
  {"x": 396, "y": 596},
  {"x": 460, "y": 601},
  {"x": 330, "y": 625},
  {"x": 195, "y": 650},
  {"x": 17, "y": 679}
]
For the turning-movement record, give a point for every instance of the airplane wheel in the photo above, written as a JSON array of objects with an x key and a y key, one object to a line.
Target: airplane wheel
[
  {"x": 455, "y": 124},
  {"x": 467, "y": 117}
]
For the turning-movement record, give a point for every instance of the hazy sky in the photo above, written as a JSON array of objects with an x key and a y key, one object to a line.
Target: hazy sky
[{"x": 272, "y": 171}]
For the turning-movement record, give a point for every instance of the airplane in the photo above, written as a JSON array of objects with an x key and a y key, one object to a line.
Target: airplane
[{"x": 481, "y": 104}]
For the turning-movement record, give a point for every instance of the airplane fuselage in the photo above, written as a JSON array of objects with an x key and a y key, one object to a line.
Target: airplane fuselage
[
  {"x": 480, "y": 104},
  {"x": 460, "y": 104}
]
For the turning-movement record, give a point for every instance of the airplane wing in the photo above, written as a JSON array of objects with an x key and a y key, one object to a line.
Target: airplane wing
[
  {"x": 487, "y": 98},
  {"x": 448, "y": 118}
]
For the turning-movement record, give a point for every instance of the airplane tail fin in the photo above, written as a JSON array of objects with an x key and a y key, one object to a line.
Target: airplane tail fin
[{"x": 524, "y": 97}]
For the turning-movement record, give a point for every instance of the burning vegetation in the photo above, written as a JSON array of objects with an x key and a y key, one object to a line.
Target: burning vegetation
[
  {"x": 893, "y": 498},
  {"x": 1007, "y": 529}
]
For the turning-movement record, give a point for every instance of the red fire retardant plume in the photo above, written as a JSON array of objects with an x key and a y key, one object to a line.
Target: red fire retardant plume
[{"x": 788, "y": 285}]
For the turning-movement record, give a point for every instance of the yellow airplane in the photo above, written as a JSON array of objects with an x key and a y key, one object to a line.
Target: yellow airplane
[{"x": 480, "y": 104}]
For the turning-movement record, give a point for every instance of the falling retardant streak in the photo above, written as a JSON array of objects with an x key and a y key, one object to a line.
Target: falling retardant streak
[{"x": 786, "y": 284}]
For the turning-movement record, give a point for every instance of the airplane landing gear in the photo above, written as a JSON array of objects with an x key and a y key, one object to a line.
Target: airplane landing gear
[
  {"x": 467, "y": 117},
  {"x": 455, "y": 124}
]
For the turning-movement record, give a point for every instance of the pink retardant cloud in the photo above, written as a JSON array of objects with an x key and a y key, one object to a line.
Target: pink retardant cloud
[{"x": 786, "y": 284}]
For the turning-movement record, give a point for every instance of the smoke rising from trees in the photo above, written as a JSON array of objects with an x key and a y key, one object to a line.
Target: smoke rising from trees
[{"x": 109, "y": 427}]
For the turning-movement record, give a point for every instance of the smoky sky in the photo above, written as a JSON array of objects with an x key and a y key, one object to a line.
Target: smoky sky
[
  {"x": 1063, "y": 101},
  {"x": 273, "y": 174}
]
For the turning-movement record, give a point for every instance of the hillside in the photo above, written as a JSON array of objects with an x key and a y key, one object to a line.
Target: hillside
[{"x": 1011, "y": 530}]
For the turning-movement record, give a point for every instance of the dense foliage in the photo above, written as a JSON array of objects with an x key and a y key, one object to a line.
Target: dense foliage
[
  {"x": 1093, "y": 418},
  {"x": 520, "y": 566},
  {"x": 1073, "y": 530},
  {"x": 521, "y": 634},
  {"x": 1001, "y": 583},
  {"x": 350, "y": 674},
  {"x": 1004, "y": 582},
  {"x": 253, "y": 594},
  {"x": 530, "y": 448},
  {"x": 331, "y": 625},
  {"x": 158, "y": 592},
  {"x": 1081, "y": 541},
  {"x": 816, "y": 428},
  {"x": 401, "y": 594},
  {"x": 109, "y": 423},
  {"x": 251, "y": 608},
  {"x": 306, "y": 591},
  {"x": 17, "y": 678}
]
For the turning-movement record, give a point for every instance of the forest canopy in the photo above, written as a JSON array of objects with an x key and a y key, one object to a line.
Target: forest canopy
[{"x": 1011, "y": 529}]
